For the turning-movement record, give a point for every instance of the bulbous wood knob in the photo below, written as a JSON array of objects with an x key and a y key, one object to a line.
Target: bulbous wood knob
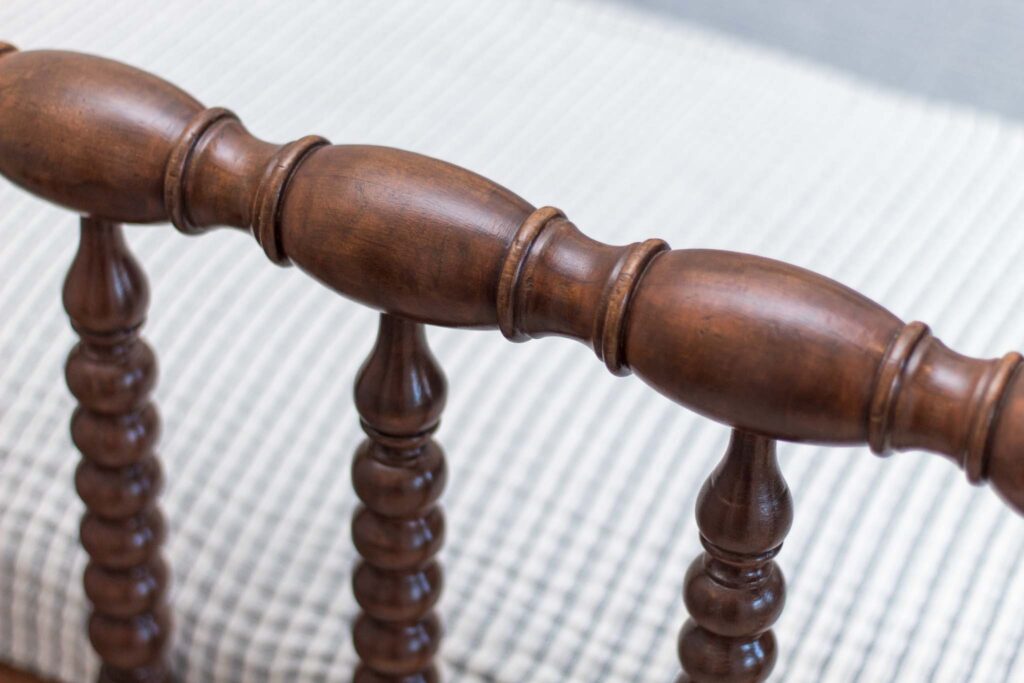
[{"x": 123, "y": 123}]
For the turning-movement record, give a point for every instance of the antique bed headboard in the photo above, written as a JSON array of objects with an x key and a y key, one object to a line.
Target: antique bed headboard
[{"x": 771, "y": 350}]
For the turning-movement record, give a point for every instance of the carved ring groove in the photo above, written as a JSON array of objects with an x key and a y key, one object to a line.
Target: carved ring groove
[
  {"x": 512, "y": 266},
  {"x": 888, "y": 383},
  {"x": 609, "y": 332},
  {"x": 409, "y": 442},
  {"x": 266, "y": 206},
  {"x": 975, "y": 462},
  {"x": 176, "y": 172},
  {"x": 739, "y": 559}
]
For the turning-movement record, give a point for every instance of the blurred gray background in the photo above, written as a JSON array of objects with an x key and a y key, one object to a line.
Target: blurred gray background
[{"x": 968, "y": 52}]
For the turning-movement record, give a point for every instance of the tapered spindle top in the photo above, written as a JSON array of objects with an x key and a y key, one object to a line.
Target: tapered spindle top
[
  {"x": 734, "y": 591},
  {"x": 754, "y": 343},
  {"x": 399, "y": 472}
]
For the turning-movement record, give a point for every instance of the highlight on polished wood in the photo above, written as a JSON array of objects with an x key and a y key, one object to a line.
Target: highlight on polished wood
[
  {"x": 735, "y": 591},
  {"x": 773, "y": 351},
  {"x": 399, "y": 473}
]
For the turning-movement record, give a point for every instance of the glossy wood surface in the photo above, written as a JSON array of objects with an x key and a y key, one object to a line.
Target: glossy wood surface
[
  {"x": 735, "y": 591},
  {"x": 750, "y": 342},
  {"x": 399, "y": 473},
  {"x": 111, "y": 372}
]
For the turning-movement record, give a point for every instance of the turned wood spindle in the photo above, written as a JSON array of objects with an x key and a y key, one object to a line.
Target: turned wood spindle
[
  {"x": 764, "y": 347},
  {"x": 734, "y": 590},
  {"x": 111, "y": 371},
  {"x": 399, "y": 474},
  {"x": 753, "y": 343}
]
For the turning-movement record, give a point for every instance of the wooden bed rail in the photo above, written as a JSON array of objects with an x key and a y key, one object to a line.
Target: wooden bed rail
[{"x": 772, "y": 350}]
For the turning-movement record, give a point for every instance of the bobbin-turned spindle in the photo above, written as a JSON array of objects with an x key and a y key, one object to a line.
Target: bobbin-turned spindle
[
  {"x": 735, "y": 591},
  {"x": 111, "y": 372},
  {"x": 399, "y": 473},
  {"x": 764, "y": 347}
]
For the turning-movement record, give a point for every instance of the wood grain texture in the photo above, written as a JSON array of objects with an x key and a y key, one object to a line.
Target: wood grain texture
[
  {"x": 399, "y": 473},
  {"x": 753, "y": 343},
  {"x": 111, "y": 372},
  {"x": 735, "y": 591}
]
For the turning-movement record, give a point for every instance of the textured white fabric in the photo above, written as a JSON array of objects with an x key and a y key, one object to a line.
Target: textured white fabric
[{"x": 572, "y": 492}]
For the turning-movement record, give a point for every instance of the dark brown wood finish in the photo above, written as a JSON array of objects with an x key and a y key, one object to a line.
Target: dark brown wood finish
[
  {"x": 735, "y": 591},
  {"x": 111, "y": 372},
  {"x": 399, "y": 474},
  {"x": 761, "y": 346},
  {"x": 753, "y": 343}
]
